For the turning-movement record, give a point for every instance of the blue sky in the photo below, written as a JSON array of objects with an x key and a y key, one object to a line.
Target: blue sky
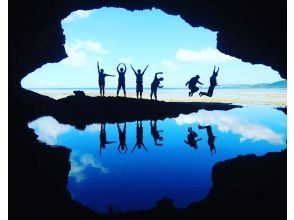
[{"x": 167, "y": 43}]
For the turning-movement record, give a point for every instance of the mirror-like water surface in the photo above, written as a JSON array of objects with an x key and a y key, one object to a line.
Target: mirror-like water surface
[{"x": 132, "y": 168}]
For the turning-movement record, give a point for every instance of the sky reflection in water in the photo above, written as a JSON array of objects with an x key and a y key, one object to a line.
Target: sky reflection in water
[{"x": 137, "y": 177}]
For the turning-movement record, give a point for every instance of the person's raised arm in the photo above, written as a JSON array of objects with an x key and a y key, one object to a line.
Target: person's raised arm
[
  {"x": 117, "y": 69},
  {"x": 134, "y": 70},
  {"x": 200, "y": 82},
  {"x": 145, "y": 69},
  {"x": 98, "y": 67},
  {"x": 157, "y": 74},
  {"x": 125, "y": 67}
]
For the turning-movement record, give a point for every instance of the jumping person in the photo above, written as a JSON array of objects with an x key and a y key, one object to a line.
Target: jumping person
[
  {"x": 155, "y": 84},
  {"x": 192, "y": 85},
  {"x": 191, "y": 138},
  {"x": 139, "y": 81},
  {"x": 121, "y": 78},
  {"x": 213, "y": 84},
  {"x": 211, "y": 138},
  {"x": 101, "y": 80}
]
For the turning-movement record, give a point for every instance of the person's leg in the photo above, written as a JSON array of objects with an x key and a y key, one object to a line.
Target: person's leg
[
  {"x": 100, "y": 88},
  {"x": 103, "y": 90},
  {"x": 124, "y": 88},
  {"x": 155, "y": 94},
  {"x": 137, "y": 90},
  {"x": 151, "y": 94}
]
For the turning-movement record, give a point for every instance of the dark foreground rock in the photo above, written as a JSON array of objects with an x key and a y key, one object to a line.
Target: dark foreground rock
[
  {"x": 80, "y": 110},
  {"x": 247, "y": 187}
]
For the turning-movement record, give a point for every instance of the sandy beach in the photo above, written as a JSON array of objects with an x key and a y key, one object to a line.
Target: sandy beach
[{"x": 277, "y": 97}]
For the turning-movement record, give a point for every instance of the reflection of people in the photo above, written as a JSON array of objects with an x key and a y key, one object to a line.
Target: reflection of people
[
  {"x": 121, "y": 78},
  {"x": 139, "y": 135},
  {"x": 139, "y": 81},
  {"x": 213, "y": 84},
  {"x": 103, "y": 140},
  {"x": 211, "y": 138},
  {"x": 192, "y": 85},
  {"x": 191, "y": 138},
  {"x": 122, "y": 147},
  {"x": 101, "y": 80},
  {"x": 155, "y": 84},
  {"x": 155, "y": 133}
]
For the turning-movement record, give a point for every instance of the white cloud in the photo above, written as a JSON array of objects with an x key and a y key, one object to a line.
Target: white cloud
[
  {"x": 127, "y": 60},
  {"x": 236, "y": 125},
  {"x": 92, "y": 128},
  {"x": 169, "y": 65},
  {"x": 78, "y": 52},
  {"x": 48, "y": 129},
  {"x": 76, "y": 15},
  {"x": 207, "y": 55},
  {"x": 84, "y": 161}
]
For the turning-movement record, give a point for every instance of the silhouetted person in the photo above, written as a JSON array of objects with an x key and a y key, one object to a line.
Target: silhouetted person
[
  {"x": 101, "y": 80},
  {"x": 139, "y": 135},
  {"x": 192, "y": 85},
  {"x": 139, "y": 81},
  {"x": 191, "y": 138},
  {"x": 103, "y": 140},
  {"x": 213, "y": 84},
  {"x": 155, "y": 133},
  {"x": 121, "y": 78},
  {"x": 155, "y": 84},
  {"x": 211, "y": 138},
  {"x": 122, "y": 147}
]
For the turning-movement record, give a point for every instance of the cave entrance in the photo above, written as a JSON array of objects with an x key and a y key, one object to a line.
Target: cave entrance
[{"x": 150, "y": 37}]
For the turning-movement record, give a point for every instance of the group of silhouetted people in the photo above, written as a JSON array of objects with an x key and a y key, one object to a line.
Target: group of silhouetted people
[
  {"x": 122, "y": 147},
  {"x": 192, "y": 84},
  {"x": 122, "y": 69},
  {"x": 121, "y": 81},
  {"x": 192, "y": 135}
]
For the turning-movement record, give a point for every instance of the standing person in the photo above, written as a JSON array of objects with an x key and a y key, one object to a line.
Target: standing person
[
  {"x": 101, "y": 80},
  {"x": 139, "y": 136},
  {"x": 192, "y": 85},
  {"x": 103, "y": 140},
  {"x": 121, "y": 78},
  {"x": 122, "y": 147},
  {"x": 213, "y": 84},
  {"x": 139, "y": 81},
  {"x": 155, "y": 84},
  {"x": 156, "y": 133}
]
